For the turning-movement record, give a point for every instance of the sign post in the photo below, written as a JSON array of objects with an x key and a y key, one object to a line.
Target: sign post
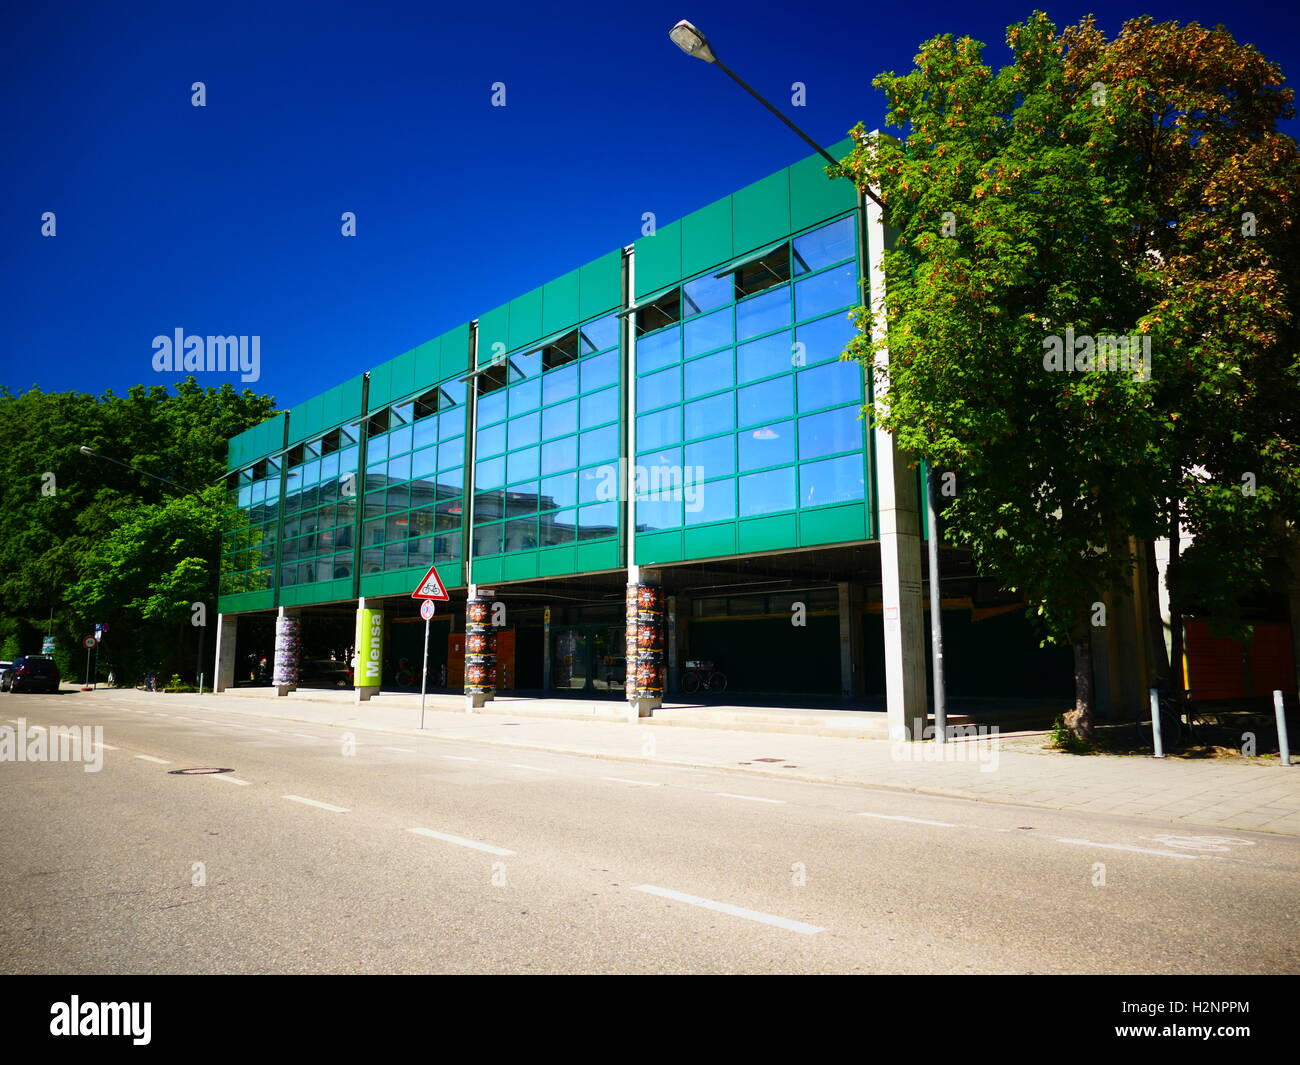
[
  {"x": 429, "y": 589},
  {"x": 88, "y": 643}
]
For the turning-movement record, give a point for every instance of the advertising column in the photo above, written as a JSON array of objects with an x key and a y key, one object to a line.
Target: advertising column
[
  {"x": 645, "y": 649},
  {"x": 288, "y": 648},
  {"x": 369, "y": 669},
  {"x": 480, "y": 653}
]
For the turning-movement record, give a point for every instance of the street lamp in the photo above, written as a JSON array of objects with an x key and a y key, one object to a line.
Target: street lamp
[{"x": 690, "y": 40}]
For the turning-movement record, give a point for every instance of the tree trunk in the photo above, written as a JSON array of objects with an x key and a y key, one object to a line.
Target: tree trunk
[
  {"x": 1079, "y": 720},
  {"x": 1156, "y": 626}
]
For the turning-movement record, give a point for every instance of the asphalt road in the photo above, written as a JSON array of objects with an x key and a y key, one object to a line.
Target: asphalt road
[{"x": 413, "y": 855}]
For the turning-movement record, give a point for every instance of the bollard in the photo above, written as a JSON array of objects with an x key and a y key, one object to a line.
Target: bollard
[
  {"x": 1283, "y": 748},
  {"x": 1155, "y": 724}
]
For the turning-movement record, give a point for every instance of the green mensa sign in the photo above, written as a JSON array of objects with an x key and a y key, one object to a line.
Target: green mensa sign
[{"x": 370, "y": 648}]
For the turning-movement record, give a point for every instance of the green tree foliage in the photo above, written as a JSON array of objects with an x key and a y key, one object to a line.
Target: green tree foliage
[
  {"x": 1103, "y": 188},
  {"x": 84, "y": 540}
]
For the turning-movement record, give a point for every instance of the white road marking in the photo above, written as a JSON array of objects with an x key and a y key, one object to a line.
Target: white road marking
[
  {"x": 35, "y": 728},
  {"x": 227, "y": 779},
  {"x": 302, "y": 735},
  {"x": 625, "y": 780},
  {"x": 401, "y": 750},
  {"x": 103, "y": 747},
  {"x": 734, "y": 911},
  {"x": 461, "y": 758},
  {"x": 460, "y": 841},
  {"x": 913, "y": 820},
  {"x": 313, "y": 802},
  {"x": 1124, "y": 847},
  {"x": 750, "y": 798},
  {"x": 150, "y": 758},
  {"x": 534, "y": 768}
]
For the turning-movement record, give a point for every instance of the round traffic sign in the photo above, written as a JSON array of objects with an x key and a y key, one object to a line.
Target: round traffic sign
[
  {"x": 88, "y": 642},
  {"x": 426, "y": 609}
]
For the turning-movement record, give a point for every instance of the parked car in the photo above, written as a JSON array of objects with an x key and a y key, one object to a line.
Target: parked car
[
  {"x": 324, "y": 673},
  {"x": 30, "y": 673}
]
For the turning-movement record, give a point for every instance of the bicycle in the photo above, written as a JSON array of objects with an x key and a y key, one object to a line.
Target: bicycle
[
  {"x": 1180, "y": 723},
  {"x": 701, "y": 674}
]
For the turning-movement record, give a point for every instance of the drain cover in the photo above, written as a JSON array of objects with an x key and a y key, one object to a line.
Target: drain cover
[
  {"x": 769, "y": 759},
  {"x": 197, "y": 772}
]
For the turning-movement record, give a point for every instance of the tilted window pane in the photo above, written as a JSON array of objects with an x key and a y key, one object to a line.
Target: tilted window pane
[
  {"x": 831, "y": 481},
  {"x": 836, "y": 382},
  {"x": 770, "y": 445},
  {"x": 759, "y": 274},
  {"x": 705, "y": 293},
  {"x": 600, "y": 334},
  {"x": 830, "y": 432},
  {"x": 766, "y": 493},
  {"x": 824, "y": 247}
]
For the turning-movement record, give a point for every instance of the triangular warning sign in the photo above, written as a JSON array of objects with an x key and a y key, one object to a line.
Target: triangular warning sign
[{"x": 431, "y": 587}]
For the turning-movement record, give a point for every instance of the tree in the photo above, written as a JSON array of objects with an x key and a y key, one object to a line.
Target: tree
[{"x": 1089, "y": 191}]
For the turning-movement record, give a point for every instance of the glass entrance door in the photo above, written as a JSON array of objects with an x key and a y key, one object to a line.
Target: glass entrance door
[{"x": 588, "y": 658}]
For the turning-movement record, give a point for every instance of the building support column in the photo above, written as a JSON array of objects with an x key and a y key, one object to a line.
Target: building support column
[
  {"x": 899, "y": 534},
  {"x": 368, "y": 667},
  {"x": 480, "y": 651},
  {"x": 852, "y": 665},
  {"x": 644, "y": 684},
  {"x": 288, "y": 651},
  {"x": 223, "y": 669}
]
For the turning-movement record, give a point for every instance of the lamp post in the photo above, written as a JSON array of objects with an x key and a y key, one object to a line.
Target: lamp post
[
  {"x": 92, "y": 453},
  {"x": 690, "y": 40}
]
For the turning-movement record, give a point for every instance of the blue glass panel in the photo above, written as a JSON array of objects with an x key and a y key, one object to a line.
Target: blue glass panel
[
  {"x": 659, "y": 389},
  {"x": 560, "y": 384},
  {"x": 451, "y": 423},
  {"x": 561, "y": 527},
  {"x": 399, "y": 469},
  {"x": 660, "y": 429},
  {"x": 708, "y": 374},
  {"x": 399, "y": 441},
  {"x": 662, "y": 511},
  {"x": 705, "y": 293},
  {"x": 597, "y": 521},
  {"x": 529, "y": 364},
  {"x": 763, "y": 358},
  {"x": 600, "y": 334},
  {"x": 762, "y": 314},
  {"x": 560, "y": 491},
  {"x": 491, "y": 441},
  {"x": 525, "y": 397},
  {"x": 825, "y": 338},
  {"x": 836, "y": 382},
  {"x": 599, "y": 445},
  {"x": 767, "y": 401},
  {"x": 600, "y": 371},
  {"x": 560, "y": 420},
  {"x": 426, "y": 432},
  {"x": 830, "y": 432},
  {"x": 767, "y": 446},
  {"x": 525, "y": 431},
  {"x": 560, "y": 455},
  {"x": 711, "y": 458},
  {"x": 659, "y": 349},
  {"x": 826, "y": 246},
  {"x": 826, "y": 292},
  {"x": 599, "y": 408},
  {"x": 490, "y": 474},
  {"x": 487, "y": 540},
  {"x": 714, "y": 501},
  {"x": 831, "y": 481},
  {"x": 766, "y": 493},
  {"x": 451, "y": 453},
  {"x": 711, "y": 331},
  {"x": 713, "y": 415},
  {"x": 598, "y": 484},
  {"x": 520, "y": 534},
  {"x": 492, "y": 407},
  {"x": 522, "y": 465}
]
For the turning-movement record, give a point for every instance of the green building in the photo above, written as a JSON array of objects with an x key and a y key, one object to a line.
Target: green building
[{"x": 676, "y": 415}]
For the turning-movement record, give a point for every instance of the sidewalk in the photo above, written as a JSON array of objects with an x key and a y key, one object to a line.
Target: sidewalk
[{"x": 1222, "y": 795}]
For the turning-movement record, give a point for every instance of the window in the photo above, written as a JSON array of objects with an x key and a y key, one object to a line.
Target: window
[
  {"x": 559, "y": 528},
  {"x": 376, "y": 424},
  {"x": 836, "y": 382},
  {"x": 559, "y": 385},
  {"x": 559, "y": 455},
  {"x": 666, "y": 310},
  {"x": 451, "y": 454},
  {"x": 831, "y": 481},
  {"x": 491, "y": 441},
  {"x": 662, "y": 349},
  {"x": 706, "y": 293},
  {"x": 560, "y": 351},
  {"x": 600, "y": 407},
  {"x": 560, "y": 420},
  {"x": 599, "y": 335},
  {"x": 559, "y": 491},
  {"x": 427, "y": 405},
  {"x": 487, "y": 540},
  {"x": 770, "y": 445},
  {"x": 599, "y": 445},
  {"x": 525, "y": 431},
  {"x": 659, "y": 429},
  {"x": 659, "y": 389},
  {"x": 763, "y": 313},
  {"x": 825, "y": 339},
  {"x": 713, "y": 415},
  {"x": 767, "y": 493},
  {"x": 523, "y": 465},
  {"x": 826, "y": 292},
  {"x": 525, "y": 397},
  {"x": 704, "y": 334},
  {"x": 490, "y": 474},
  {"x": 712, "y": 458},
  {"x": 714, "y": 501},
  {"x": 597, "y": 521},
  {"x": 767, "y": 401},
  {"x": 761, "y": 274},
  {"x": 830, "y": 432},
  {"x": 709, "y": 374},
  {"x": 824, "y": 247},
  {"x": 491, "y": 408},
  {"x": 521, "y": 534},
  {"x": 660, "y": 511}
]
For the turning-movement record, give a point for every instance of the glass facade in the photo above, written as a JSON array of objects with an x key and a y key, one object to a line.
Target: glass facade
[
  {"x": 740, "y": 389},
  {"x": 547, "y": 443}
]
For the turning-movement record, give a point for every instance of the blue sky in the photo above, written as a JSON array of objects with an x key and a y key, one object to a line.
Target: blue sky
[{"x": 225, "y": 219}]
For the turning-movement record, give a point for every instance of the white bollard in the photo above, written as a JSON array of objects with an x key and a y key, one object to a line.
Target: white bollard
[
  {"x": 1284, "y": 748},
  {"x": 1155, "y": 724}
]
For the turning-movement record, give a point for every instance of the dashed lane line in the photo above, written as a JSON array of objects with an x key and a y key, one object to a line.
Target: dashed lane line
[
  {"x": 910, "y": 820},
  {"x": 317, "y": 804},
  {"x": 1126, "y": 847},
  {"x": 461, "y": 841},
  {"x": 734, "y": 911},
  {"x": 151, "y": 758},
  {"x": 749, "y": 798}
]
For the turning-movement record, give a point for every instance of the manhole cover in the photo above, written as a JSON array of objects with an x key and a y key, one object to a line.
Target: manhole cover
[
  {"x": 769, "y": 759},
  {"x": 197, "y": 772}
]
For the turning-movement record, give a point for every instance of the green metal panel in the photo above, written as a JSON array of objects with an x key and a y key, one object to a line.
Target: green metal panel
[
  {"x": 404, "y": 381},
  {"x": 557, "y": 561},
  {"x": 261, "y": 440},
  {"x": 526, "y": 319},
  {"x": 706, "y": 237},
  {"x": 246, "y": 601},
  {"x": 520, "y": 566},
  {"x": 600, "y": 285},
  {"x": 428, "y": 363},
  {"x": 773, "y": 533},
  {"x": 381, "y": 385},
  {"x": 659, "y": 547},
  {"x": 455, "y": 353},
  {"x": 493, "y": 329},
  {"x": 814, "y": 197},
  {"x": 599, "y": 555},
  {"x": 830, "y": 525},
  {"x": 314, "y": 416},
  {"x": 487, "y": 570},
  {"x": 659, "y": 259},
  {"x": 710, "y": 541},
  {"x": 760, "y": 213},
  {"x": 560, "y": 303}
]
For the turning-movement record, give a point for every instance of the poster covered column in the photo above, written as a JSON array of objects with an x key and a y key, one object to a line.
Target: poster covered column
[
  {"x": 480, "y": 653},
  {"x": 288, "y": 650},
  {"x": 645, "y": 648}
]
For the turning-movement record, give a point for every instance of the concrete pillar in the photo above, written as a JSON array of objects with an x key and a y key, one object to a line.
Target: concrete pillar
[
  {"x": 223, "y": 669},
  {"x": 288, "y": 651},
  {"x": 368, "y": 664},
  {"x": 852, "y": 665},
  {"x": 900, "y": 540},
  {"x": 644, "y": 686}
]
